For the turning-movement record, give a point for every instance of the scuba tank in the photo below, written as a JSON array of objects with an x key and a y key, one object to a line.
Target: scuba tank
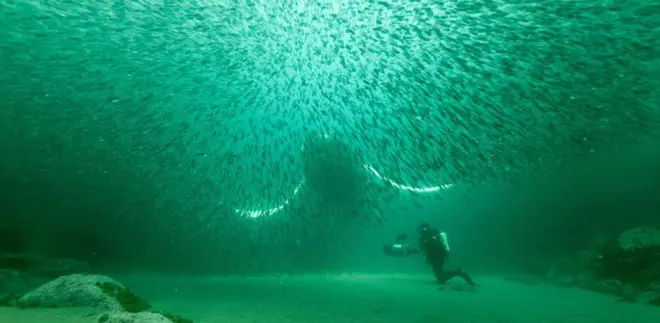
[{"x": 444, "y": 241}]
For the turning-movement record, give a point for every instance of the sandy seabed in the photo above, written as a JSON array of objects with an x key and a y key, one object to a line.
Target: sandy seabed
[{"x": 358, "y": 298}]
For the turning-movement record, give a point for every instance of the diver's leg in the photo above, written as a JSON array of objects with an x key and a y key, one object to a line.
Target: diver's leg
[
  {"x": 438, "y": 265},
  {"x": 466, "y": 277},
  {"x": 439, "y": 274},
  {"x": 460, "y": 273}
]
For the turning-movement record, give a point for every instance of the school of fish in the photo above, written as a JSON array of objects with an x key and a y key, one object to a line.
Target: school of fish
[{"x": 208, "y": 106}]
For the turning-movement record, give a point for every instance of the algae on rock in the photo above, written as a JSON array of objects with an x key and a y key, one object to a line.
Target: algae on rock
[{"x": 129, "y": 301}]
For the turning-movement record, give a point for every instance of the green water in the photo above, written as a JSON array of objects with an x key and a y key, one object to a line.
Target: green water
[{"x": 197, "y": 109}]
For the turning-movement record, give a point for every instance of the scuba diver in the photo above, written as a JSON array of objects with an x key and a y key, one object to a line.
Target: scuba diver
[{"x": 435, "y": 246}]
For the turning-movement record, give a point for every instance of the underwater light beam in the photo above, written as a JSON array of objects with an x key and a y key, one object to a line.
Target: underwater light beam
[
  {"x": 270, "y": 211},
  {"x": 265, "y": 212},
  {"x": 428, "y": 189}
]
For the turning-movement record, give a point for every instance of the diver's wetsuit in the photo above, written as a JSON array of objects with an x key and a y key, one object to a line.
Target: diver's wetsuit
[{"x": 435, "y": 249}]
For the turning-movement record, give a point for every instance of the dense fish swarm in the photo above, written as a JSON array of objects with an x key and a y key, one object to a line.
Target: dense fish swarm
[{"x": 211, "y": 102}]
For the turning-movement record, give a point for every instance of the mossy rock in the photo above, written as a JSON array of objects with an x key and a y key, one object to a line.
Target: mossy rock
[
  {"x": 129, "y": 301},
  {"x": 176, "y": 318}
]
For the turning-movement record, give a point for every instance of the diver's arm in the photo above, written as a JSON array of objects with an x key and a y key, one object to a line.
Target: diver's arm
[
  {"x": 420, "y": 243},
  {"x": 413, "y": 250},
  {"x": 420, "y": 248}
]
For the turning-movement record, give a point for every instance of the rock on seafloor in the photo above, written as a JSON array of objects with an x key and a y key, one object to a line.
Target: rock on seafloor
[
  {"x": 22, "y": 272},
  {"x": 73, "y": 290},
  {"x": 123, "y": 317},
  {"x": 628, "y": 267},
  {"x": 638, "y": 238}
]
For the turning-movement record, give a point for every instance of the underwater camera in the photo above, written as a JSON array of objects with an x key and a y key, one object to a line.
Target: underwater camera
[{"x": 400, "y": 248}]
